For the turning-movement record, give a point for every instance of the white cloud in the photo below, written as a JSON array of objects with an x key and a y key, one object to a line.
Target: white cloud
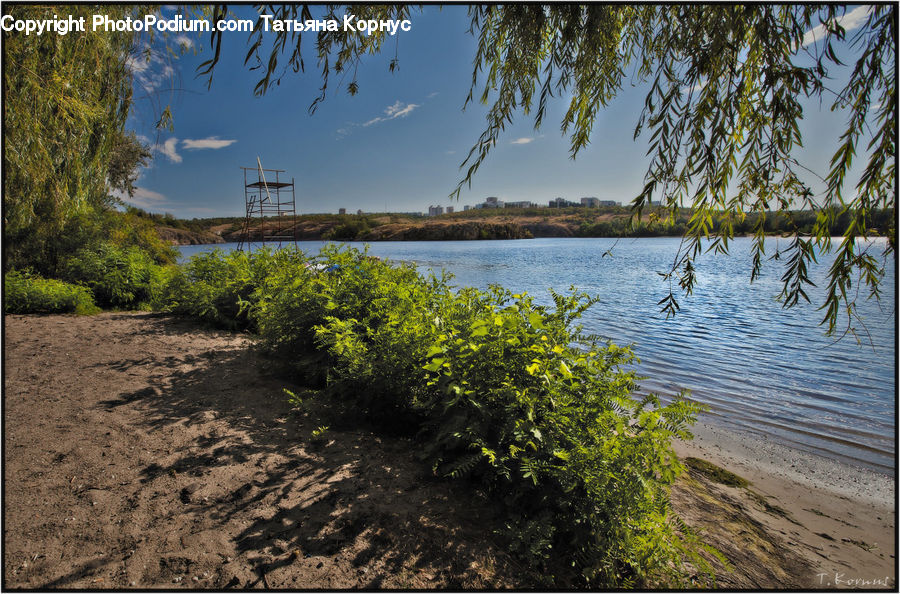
[
  {"x": 184, "y": 40},
  {"x": 523, "y": 140},
  {"x": 849, "y": 21},
  {"x": 137, "y": 64},
  {"x": 398, "y": 110},
  {"x": 391, "y": 112},
  {"x": 144, "y": 198},
  {"x": 169, "y": 149},
  {"x": 151, "y": 70},
  {"x": 145, "y": 194},
  {"x": 432, "y": 95},
  {"x": 211, "y": 142}
]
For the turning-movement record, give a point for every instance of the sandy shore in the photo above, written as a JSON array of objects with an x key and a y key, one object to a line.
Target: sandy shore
[
  {"x": 143, "y": 451},
  {"x": 838, "y": 517}
]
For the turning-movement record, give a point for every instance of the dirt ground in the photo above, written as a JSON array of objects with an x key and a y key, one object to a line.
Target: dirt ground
[{"x": 144, "y": 451}]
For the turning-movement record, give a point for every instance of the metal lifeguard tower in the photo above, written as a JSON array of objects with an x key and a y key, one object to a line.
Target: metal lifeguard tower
[{"x": 270, "y": 206}]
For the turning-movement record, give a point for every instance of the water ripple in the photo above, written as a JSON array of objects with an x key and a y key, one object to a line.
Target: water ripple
[{"x": 759, "y": 367}]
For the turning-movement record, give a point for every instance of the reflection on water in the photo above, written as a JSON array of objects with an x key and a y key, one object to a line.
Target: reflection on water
[{"x": 760, "y": 368}]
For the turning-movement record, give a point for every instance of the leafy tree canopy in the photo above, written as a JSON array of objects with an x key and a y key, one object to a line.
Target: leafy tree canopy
[
  {"x": 66, "y": 99},
  {"x": 727, "y": 85},
  {"x": 127, "y": 156}
]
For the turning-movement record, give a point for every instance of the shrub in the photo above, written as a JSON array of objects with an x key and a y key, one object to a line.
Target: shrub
[
  {"x": 348, "y": 230},
  {"x": 25, "y": 293},
  {"x": 221, "y": 288},
  {"x": 360, "y": 320},
  {"x": 543, "y": 417},
  {"x": 505, "y": 392},
  {"x": 120, "y": 277}
]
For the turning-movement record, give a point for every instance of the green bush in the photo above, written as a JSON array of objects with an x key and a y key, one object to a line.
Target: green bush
[
  {"x": 220, "y": 288},
  {"x": 25, "y": 293},
  {"x": 119, "y": 277},
  {"x": 542, "y": 415},
  {"x": 505, "y": 392},
  {"x": 356, "y": 321},
  {"x": 349, "y": 229}
]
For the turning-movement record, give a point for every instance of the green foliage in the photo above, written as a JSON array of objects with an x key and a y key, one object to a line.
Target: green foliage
[
  {"x": 27, "y": 293},
  {"x": 221, "y": 289},
  {"x": 543, "y": 417},
  {"x": 316, "y": 310},
  {"x": 350, "y": 228},
  {"x": 118, "y": 277},
  {"x": 503, "y": 392},
  {"x": 127, "y": 156},
  {"x": 122, "y": 229},
  {"x": 65, "y": 101},
  {"x": 318, "y": 434}
]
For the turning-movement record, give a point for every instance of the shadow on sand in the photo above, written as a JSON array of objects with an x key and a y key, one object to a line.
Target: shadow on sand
[{"x": 354, "y": 503}]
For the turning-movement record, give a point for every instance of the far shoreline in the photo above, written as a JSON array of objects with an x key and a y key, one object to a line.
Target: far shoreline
[{"x": 177, "y": 244}]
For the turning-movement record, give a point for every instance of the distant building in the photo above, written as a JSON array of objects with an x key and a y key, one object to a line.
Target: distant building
[
  {"x": 449, "y": 210},
  {"x": 434, "y": 211},
  {"x": 491, "y": 202},
  {"x": 562, "y": 203},
  {"x": 590, "y": 202},
  {"x": 520, "y": 204},
  {"x": 466, "y": 207},
  {"x": 609, "y": 203},
  {"x": 342, "y": 211}
]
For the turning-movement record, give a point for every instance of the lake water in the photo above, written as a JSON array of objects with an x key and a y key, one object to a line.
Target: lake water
[{"x": 760, "y": 368}]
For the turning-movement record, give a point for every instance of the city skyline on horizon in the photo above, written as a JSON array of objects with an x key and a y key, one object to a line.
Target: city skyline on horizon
[{"x": 396, "y": 145}]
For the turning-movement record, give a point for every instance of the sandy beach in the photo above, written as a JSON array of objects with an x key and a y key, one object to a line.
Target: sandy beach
[
  {"x": 144, "y": 451},
  {"x": 839, "y": 518}
]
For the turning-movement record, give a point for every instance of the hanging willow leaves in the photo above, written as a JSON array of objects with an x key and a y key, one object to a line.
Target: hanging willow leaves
[
  {"x": 66, "y": 99},
  {"x": 727, "y": 84},
  {"x": 723, "y": 112}
]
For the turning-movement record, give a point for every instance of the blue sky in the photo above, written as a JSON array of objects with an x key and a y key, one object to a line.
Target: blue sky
[{"x": 396, "y": 145}]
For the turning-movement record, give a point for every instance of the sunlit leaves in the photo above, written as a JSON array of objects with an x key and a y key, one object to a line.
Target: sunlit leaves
[
  {"x": 65, "y": 101},
  {"x": 495, "y": 388}
]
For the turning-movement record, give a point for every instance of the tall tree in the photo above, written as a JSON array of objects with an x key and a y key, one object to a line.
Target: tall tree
[
  {"x": 66, "y": 98},
  {"x": 726, "y": 89}
]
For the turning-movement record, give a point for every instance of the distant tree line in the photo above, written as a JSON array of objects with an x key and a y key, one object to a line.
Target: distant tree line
[
  {"x": 803, "y": 223},
  {"x": 616, "y": 221}
]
